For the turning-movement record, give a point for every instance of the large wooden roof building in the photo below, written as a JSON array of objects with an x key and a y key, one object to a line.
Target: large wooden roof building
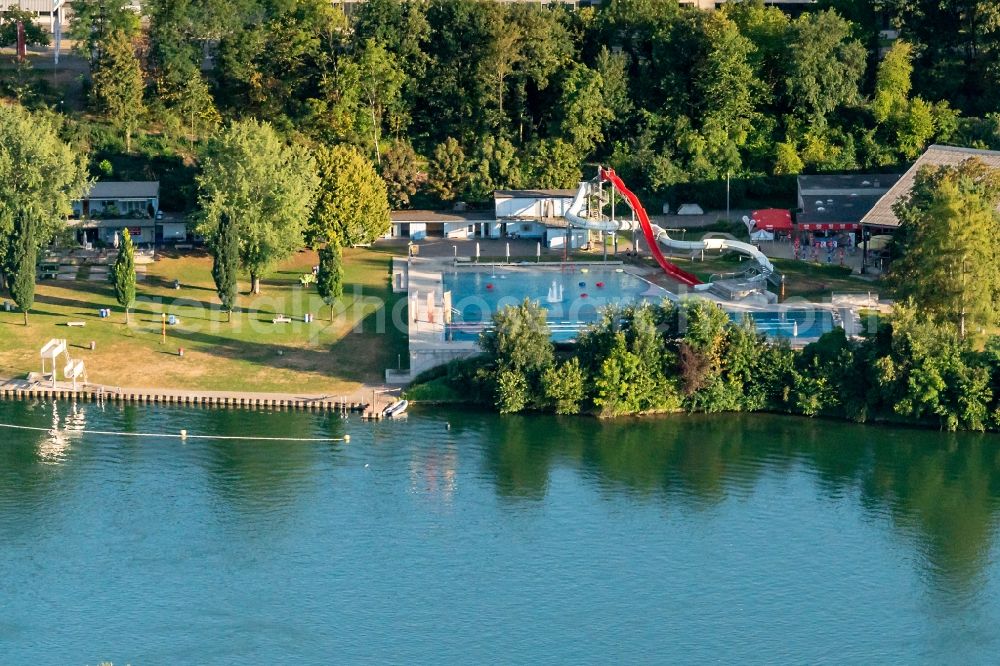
[{"x": 881, "y": 217}]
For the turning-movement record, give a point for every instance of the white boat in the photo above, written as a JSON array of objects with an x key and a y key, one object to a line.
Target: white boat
[{"x": 395, "y": 409}]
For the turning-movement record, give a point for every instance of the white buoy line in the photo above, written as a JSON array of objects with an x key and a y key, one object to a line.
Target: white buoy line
[{"x": 183, "y": 434}]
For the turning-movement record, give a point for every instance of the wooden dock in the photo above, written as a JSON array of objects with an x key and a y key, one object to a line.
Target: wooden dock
[{"x": 23, "y": 390}]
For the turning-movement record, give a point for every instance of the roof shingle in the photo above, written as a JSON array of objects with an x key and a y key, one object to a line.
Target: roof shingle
[
  {"x": 882, "y": 215},
  {"x": 133, "y": 189},
  {"x": 534, "y": 194},
  {"x": 404, "y": 216}
]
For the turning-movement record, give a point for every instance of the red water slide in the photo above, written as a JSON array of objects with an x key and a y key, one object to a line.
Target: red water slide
[{"x": 670, "y": 269}]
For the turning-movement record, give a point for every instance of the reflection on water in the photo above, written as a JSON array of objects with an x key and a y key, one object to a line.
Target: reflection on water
[
  {"x": 434, "y": 473},
  {"x": 940, "y": 489},
  {"x": 448, "y": 498},
  {"x": 53, "y": 447}
]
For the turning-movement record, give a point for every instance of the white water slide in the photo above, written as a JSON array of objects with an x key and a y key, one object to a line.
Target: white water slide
[{"x": 581, "y": 214}]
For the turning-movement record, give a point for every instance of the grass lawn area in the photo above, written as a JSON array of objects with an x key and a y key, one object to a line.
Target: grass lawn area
[
  {"x": 250, "y": 353},
  {"x": 806, "y": 279},
  {"x": 435, "y": 390}
]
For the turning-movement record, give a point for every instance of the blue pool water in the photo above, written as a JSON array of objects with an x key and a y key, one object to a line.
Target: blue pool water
[
  {"x": 477, "y": 295},
  {"x": 789, "y": 323}
]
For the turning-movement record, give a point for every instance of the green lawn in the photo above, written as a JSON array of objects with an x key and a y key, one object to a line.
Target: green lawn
[
  {"x": 250, "y": 353},
  {"x": 435, "y": 390},
  {"x": 806, "y": 279}
]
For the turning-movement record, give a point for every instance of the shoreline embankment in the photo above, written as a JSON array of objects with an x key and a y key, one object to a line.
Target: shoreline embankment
[{"x": 364, "y": 401}]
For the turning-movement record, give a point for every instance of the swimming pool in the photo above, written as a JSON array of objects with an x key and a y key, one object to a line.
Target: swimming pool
[
  {"x": 573, "y": 297},
  {"x": 573, "y": 300},
  {"x": 792, "y": 322}
]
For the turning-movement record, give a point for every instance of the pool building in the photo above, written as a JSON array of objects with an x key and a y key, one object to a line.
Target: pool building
[{"x": 536, "y": 214}]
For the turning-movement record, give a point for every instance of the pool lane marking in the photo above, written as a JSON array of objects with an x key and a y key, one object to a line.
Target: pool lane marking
[{"x": 251, "y": 438}]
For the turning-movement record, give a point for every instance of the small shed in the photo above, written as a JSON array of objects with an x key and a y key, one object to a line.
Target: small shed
[{"x": 459, "y": 225}]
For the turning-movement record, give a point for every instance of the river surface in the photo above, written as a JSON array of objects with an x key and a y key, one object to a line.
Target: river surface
[{"x": 527, "y": 540}]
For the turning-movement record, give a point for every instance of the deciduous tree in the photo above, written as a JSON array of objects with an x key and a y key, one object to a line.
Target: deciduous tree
[
  {"x": 520, "y": 351},
  {"x": 352, "y": 206},
  {"x": 947, "y": 264},
  {"x": 893, "y": 81},
  {"x": 581, "y": 110},
  {"x": 251, "y": 174},
  {"x": 446, "y": 174},
  {"x": 504, "y": 53},
  {"x": 34, "y": 34},
  {"x": 728, "y": 93},
  {"x": 401, "y": 171},
  {"x": 453, "y": 94},
  {"x": 277, "y": 61},
  {"x": 93, "y": 21},
  {"x": 39, "y": 175},
  {"x": 380, "y": 80},
  {"x": 768, "y": 28},
  {"x": 495, "y": 165},
  {"x": 519, "y": 338},
  {"x": 826, "y": 65},
  {"x": 554, "y": 163},
  {"x": 564, "y": 386}
]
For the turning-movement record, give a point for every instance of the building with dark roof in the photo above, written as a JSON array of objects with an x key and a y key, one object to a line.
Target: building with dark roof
[
  {"x": 110, "y": 207},
  {"x": 838, "y": 202},
  {"x": 125, "y": 199}
]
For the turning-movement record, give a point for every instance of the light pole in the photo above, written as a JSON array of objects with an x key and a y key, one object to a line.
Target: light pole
[
  {"x": 728, "y": 220},
  {"x": 864, "y": 248}
]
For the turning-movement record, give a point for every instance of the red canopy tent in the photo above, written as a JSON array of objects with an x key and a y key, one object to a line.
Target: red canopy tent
[{"x": 772, "y": 219}]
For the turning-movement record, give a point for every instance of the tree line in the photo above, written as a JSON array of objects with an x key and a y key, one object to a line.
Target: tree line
[
  {"x": 304, "y": 125},
  {"x": 262, "y": 198},
  {"x": 691, "y": 356},
  {"x": 454, "y": 98}
]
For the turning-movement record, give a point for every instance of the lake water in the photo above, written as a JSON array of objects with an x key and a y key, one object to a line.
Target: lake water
[{"x": 514, "y": 540}]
